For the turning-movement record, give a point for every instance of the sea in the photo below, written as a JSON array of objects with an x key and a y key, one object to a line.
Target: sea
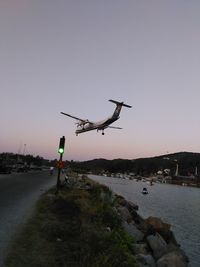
[{"x": 174, "y": 204}]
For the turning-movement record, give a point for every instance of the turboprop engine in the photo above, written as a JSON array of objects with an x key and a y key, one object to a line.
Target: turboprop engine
[{"x": 83, "y": 124}]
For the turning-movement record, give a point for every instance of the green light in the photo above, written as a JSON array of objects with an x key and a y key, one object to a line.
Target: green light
[
  {"x": 61, "y": 150},
  {"x": 61, "y": 145}
]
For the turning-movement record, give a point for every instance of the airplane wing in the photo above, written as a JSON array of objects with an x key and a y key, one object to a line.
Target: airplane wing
[{"x": 73, "y": 117}]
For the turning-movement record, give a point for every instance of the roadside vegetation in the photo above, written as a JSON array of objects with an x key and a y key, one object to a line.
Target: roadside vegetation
[{"x": 79, "y": 227}]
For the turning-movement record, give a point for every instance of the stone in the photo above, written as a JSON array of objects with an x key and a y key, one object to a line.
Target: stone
[
  {"x": 140, "y": 248},
  {"x": 125, "y": 214},
  {"x": 171, "y": 247},
  {"x": 120, "y": 200},
  {"x": 132, "y": 230},
  {"x": 146, "y": 260},
  {"x": 157, "y": 223},
  {"x": 162, "y": 228},
  {"x": 131, "y": 206},
  {"x": 147, "y": 229},
  {"x": 173, "y": 259},
  {"x": 157, "y": 244}
]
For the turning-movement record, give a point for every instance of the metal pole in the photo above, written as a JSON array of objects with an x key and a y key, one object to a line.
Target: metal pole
[
  {"x": 58, "y": 178},
  {"x": 61, "y": 151}
]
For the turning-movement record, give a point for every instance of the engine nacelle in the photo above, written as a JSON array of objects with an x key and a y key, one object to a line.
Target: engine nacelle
[
  {"x": 86, "y": 126},
  {"x": 82, "y": 126}
]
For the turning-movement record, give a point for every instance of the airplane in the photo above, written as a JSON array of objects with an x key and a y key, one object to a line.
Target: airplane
[{"x": 86, "y": 125}]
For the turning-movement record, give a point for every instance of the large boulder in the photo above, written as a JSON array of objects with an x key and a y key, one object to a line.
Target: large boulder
[
  {"x": 157, "y": 223},
  {"x": 124, "y": 213},
  {"x": 157, "y": 245},
  {"x": 132, "y": 230},
  {"x": 162, "y": 228},
  {"x": 173, "y": 259}
]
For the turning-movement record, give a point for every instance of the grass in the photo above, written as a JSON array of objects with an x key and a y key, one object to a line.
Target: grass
[{"x": 77, "y": 228}]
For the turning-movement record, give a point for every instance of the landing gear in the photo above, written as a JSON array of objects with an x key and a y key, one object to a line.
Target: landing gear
[{"x": 101, "y": 130}]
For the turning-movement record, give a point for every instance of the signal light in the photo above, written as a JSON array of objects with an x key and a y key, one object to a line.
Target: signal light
[
  {"x": 61, "y": 150},
  {"x": 61, "y": 145}
]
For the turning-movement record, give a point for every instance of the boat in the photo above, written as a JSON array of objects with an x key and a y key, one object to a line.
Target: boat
[{"x": 144, "y": 191}]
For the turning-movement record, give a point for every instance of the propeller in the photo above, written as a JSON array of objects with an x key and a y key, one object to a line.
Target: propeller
[{"x": 81, "y": 123}]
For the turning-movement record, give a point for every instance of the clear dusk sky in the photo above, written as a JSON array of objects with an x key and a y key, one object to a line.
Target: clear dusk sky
[{"x": 74, "y": 55}]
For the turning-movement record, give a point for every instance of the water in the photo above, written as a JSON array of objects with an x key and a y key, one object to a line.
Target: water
[{"x": 177, "y": 205}]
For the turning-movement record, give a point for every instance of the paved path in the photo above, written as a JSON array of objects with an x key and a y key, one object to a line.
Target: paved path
[{"x": 18, "y": 194}]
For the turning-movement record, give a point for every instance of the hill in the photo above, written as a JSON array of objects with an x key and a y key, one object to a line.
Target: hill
[{"x": 187, "y": 162}]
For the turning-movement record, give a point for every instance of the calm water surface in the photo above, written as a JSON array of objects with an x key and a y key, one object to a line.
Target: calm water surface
[{"x": 177, "y": 205}]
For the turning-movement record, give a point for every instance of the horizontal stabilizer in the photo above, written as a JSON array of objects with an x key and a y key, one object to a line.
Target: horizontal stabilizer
[
  {"x": 113, "y": 127},
  {"x": 120, "y": 103}
]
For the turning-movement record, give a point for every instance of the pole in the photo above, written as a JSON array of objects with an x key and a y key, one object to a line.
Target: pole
[
  {"x": 61, "y": 151},
  {"x": 58, "y": 178},
  {"x": 176, "y": 173}
]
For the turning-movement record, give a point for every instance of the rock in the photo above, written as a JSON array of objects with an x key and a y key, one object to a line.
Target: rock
[
  {"x": 133, "y": 210},
  {"x": 145, "y": 260},
  {"x": 157, "y": 244},
  {"x": 172, "y": 259},
  {"x": 120, "y": 200},
  {"x": 171, "y": 246},
  {"x": 125, "y": 214},
  {"x": 157, "y": 223},
  {"x": 136, "y": 217},
  {"x": 133, "y": 231},
  {"x": 140, "y": 248},
  {"x": 131, "y": 206},
  {"x": 147, "y": 229},
  {"x": 162, "y": 228}
]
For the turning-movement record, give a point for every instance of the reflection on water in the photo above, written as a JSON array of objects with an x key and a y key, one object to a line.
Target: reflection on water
[{"x": 177, "y": 205}]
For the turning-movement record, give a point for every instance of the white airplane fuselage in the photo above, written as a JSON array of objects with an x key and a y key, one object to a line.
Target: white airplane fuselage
[{"x": 100, "y": 125}]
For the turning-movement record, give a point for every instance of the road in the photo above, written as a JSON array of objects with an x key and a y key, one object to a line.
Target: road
[{"x": 18, "y": 194}]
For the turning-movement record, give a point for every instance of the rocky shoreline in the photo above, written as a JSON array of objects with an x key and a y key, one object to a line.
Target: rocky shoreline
[
  {"x": 156, "y": 245},
  {"x": 86, "y": 224}
]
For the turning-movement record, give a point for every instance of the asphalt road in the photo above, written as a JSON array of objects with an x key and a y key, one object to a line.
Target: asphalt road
[{"x": 18, "y": 194}]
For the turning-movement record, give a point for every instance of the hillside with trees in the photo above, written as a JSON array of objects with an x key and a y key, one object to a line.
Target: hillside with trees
[{"x": 187, "y": 162}]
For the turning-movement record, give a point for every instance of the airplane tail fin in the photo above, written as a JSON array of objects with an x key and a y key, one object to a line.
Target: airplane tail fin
[{"x": 120, "y": 103}]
